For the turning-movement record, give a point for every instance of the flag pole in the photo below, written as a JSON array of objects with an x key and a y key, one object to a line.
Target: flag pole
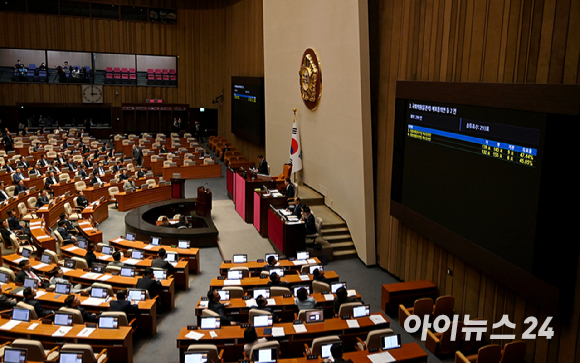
[{"x": 293, "y": 122}]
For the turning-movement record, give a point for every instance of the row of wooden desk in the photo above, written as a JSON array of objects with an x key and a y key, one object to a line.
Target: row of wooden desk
[
  {"x": 249, "y": 283},
  {"x": 408, "y": 353},
  {"x": 256, "y": 267},
  {"x": 78, "y": 276}
]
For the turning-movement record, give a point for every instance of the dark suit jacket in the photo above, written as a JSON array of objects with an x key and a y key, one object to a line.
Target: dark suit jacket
[
  {"x": 90, "y": 258},
  {"x": 83, "y": 174},
  {"x": 82, "y": 201},
  {"x": 263, "y": 167},
  {"x": 50, "y": 181},
  {"x": 14, "y": 224},
  {"x": 18, "y": 177},
  {"x": 65, "y": 235},
  {"x": 94, "y": 180},
  {"x": 297, "y": 210},
  {"x": 3, "y": 196},
  {"x": 149, "y": 285},
  {"x": 24, "y": 164},
  {"x": 6, "y": 237},
  {"x": 124, "y": 306},
  {"x": 41, "y": 201},
  {"x": 278, "y": 283},
  {"x": 19, "y": 189},
  {"x": 218, "y": 308},
  {"x": 141, "y": 174},
  {"x": 160, "y": 263},
  {"x": 310, "y": 225},
  {"x": 87, "y": 163},
  {"x": 290, "y": 192},
  {"x": 40, "y": 310}
]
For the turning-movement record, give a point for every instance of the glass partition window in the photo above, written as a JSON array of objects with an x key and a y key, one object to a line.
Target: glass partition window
[
  {"x": 69, "y": 67},
  {"x": 23, "y": 65}
]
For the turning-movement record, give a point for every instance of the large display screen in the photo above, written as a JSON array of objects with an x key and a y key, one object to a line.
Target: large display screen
[{"x": 248, "y": 115}]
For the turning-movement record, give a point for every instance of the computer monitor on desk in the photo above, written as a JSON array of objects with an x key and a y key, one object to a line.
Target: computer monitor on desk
[{"x": 196, "y": 357}]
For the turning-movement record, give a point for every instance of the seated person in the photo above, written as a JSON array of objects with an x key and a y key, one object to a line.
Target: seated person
[
  {"x": 117, "y": 167},
  {"x": 149, "y": 283},
  {"x": 160, "y": 262},
  {"x": 290, "y": 192},
  {"x": 129, "y": 185},
  {"x": 141, "y": 173},
  {"x": 83, "y": 172},
  {"x": 272, "y": 261},
  {"x": 90, "y": 256},
  {"x": 308, "y": 219},
  {"x": 3, "y": 195},
  {"x": 6, "y": 166},
  {"x": 64, "y": 233},
  {"x": 342, "y": 298},
  {"x": 251, "y": 339},
  {"x": 164, "y": 222},
  {"x": 124, "y": 175},
  {"x": 57, "y": 277},
  {"x": 18, "y": 175},
  {"x": 14, "y": 224},
  {"x": 68, "y": 224},
  {"x": 96, "y": 178},
  {"x": 50, "y": 180},
  {"x": 182, "y": 223},
  {"x": 23, "y": 163},
  {"x": 116, "y": 260},
  {"x": 163, "y": 149},
  {"x": 29, "y": 295},
  {"x": 121, "y": 304},
  {"x": 82, "y": 201},
  {"x": 319, "y": 276},
  {"x": 219, "y": 308},
  {"x": 263, "y": 305},
  {"x": 43, "y": 161},
  {"x": 296, "y": 208},
  {"x": 27, "y": 273},
  {"x": 43, "y": 199},
  {"x": 54, "y": 167},
  {"x": 73, "y": 302},
  {"x": 5, "y": 302},
  {"x": 20, "y": 187},
  {"x": 275, "y": 281},
  {"x": 336, "y": 353},
  {"x": 303, "y": 301}
]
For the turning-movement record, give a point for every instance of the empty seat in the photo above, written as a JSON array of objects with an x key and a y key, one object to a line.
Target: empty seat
[{"x": 88, "y": 355}]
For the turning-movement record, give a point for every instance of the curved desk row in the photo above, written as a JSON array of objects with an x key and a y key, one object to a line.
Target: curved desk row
[
  {"x": 129, "y": 200},
  {"x": 252, "y": 282},
  {"x": 255, "y": 267}
]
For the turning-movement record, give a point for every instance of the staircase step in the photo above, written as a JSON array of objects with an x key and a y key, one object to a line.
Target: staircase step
[
  {"x": 345, "y": 254},
  {"x": 339, "y": 238},
  {"x": 335, "y": 231},
  {"x": 342, "y": 244}
]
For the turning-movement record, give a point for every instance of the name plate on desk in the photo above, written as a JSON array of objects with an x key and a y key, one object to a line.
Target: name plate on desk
[{"x": 176, "y": 175}]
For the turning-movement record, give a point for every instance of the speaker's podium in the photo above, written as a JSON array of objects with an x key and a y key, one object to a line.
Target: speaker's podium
[
  {"x": 203, "y": 202},
  {"x": 177, "y": 187}
]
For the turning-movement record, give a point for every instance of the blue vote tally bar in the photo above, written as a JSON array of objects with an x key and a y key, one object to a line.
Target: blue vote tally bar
[
  {"x": 476, "y": 140},
  {"x": 245, "y": 96}
]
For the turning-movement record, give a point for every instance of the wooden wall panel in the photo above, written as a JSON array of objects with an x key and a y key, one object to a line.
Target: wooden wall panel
[
  {"x": 212, "y": 40},
  {"x": 519, "y": 41}
]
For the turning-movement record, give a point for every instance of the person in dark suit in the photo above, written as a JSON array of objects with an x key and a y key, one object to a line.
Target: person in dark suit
[
  {"x": 342, "y": 298},
  {"x": 160, "y": 262},
  {"x": 23, "y": 163},
  {"x": 67, "y": 237},
  {"x": 6, "y": 166},
  {"x": 290, "y": 192},
  {"x": 219, "y": 308},
  {"x": 163, "y": 149},
  {"x": 42, "y": 199},
  {"x": 272, "y": 261},
  {"x": 6, "y": 233},
  {"x": 18, "y": 176},
  {"x": 60, "y": 159},
  {"x": 275, "y": 281},
  {"x": 263, "y": 305},
  {"x": 117, "y": 168},
  {"x": 73, "y": 302},
  {"x": 65, "y": 144},
  {"x": 43, "y": 161},
  {"x": 83, "y": 172},
  {"x": 96, "y": 179},
  {"x": 336, "y": 353},
  {"x": 8, "y": 142},
  {"x": 50, "y": 180},
  {"x": 29, "y": 294},
  {"x": 5, "y": 302},
  {"x": 27, "y": 273},
  {"x": 54, "y": 167},
  {"x": 90, "y": 255},
  {"x": 82, "y": 201},
  {"x": 68, "y": 224},
  {"x": 121, "y": 304},
  {"x": 70, "y": 164},
  {"x": 87, "y": 163},
  {"x": 141, "y": 173},
  {"x": 14, "y": 224},
  {"x": 148, "y": 282},
  {"x": 137, "y": 154},
  {"x": 20, "y": 187},
  {"x": 100, "y": 169},
  {"x": 308, "y": 219},
  {"x": 263, "y": 166},
  {"x": 3, "y": 195},
  {"x": 124, "y": 175},
  {"x": 319, "y": 276}
]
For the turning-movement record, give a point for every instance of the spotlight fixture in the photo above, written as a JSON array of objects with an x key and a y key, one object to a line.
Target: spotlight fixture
[{"x": 218, "y": 98}]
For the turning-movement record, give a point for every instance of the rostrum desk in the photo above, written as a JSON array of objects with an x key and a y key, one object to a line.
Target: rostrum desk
[{"x": 129, "y": 200}]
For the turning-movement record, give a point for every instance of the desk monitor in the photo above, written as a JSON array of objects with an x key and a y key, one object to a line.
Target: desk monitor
[
  {"x": 337, "y": 285},
  {"x": 314, "y": 267},
  {"x": 127, "y": 271},
  {"x": 98, "y": 268},
  {"x": 99, "y": 292},
  {"x": 235, "y": 275},
  {"x": 63, "y": 289},
  {"x": 15, "y": 355},
  {"x": 263, "y": 292},
  {"x": 70, "y": 357},
  {"x": 315, "y": 316},
  {"x": 30, "y": 283},
  {"x": 391, "y": 341},
  {"x": 210, "y": 323},
  {"x": 160, "y": 274},
  {"x": 108, "y": 322},
  {"x": 171, "y": 257},
  {"x": 224, "y": 295},
  {"x": 265, "y": 355},
  {"x": 302, "y": 255},
  {"x": 263, "y": 321},
  {"x": 271, "y": 254},
  {"x": 4, "y": 278},
  {"x": 46, "y": 259},
  {"x": 183, "y": 244},
  {"x": 326, "y": 350},
  {"x": 137, "y": 255},
  {"x": 107, "y": 250},
  {"x": 156, "y": 241},
  {"x": 21, "y": 314},
  {"x": 278, "y": 271},
  {"x": 296, "y": 288},
  {"x": 137, "y": 295},
  {"x": 83, "y": 244},
  {"x": 130, "y": 237},
  {"x": 240, "y": 258},
  {"x": 25, "y": 252},
  {"x": 70, "y": 263},
  {"x": 195, "y": 357},
  {"x": 361, "y": 311},
  {"x": 63, "y": 319}
]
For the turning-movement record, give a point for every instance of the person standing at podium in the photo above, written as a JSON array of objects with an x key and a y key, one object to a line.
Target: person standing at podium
[
  {"x": 290, "y": 192},
  {"x": 263, "y": 166}
]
